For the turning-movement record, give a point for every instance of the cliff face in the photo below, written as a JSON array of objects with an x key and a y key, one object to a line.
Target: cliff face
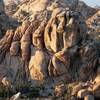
[{"x": 51, "y": 46}]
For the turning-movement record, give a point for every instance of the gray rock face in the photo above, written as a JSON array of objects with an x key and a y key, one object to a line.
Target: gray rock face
[
  {"x": 11, "y": 67},
  {"x": 89, "y": 60},
  {"x": 85, "y": 10},
  {"x": 5, "y": 21},
  {"x": 1, "y": 34},
  {"x": 1, "y": 6}
]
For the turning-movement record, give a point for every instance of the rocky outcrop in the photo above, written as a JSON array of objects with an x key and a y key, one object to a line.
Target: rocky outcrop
[
  {"x": 84, "y": 90},
  {"x": 51, "y": 44},
  {"x": 89, "y": 56},
  {"x": 85, "y": 10},
  {"x": 93, "y": 24},
  {"x": 32, "y": 10},
  {"x": 6, "y": 22},
  {"x": 55, "y": 32}
]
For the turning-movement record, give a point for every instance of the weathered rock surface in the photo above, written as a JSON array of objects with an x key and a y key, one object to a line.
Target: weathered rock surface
[
  {"x": 85, "y": 10},
  {"x": 38, "y": 64},
  {"x": 96, "y": 87},
  {"x": 89, "y": 60},
  {"x": 57, "y": 64},
  {"x": 89, "y": 97},
  {"x": 52, "y": 42},
  {"x": 60, "y": 90},
  {"x": 6, "y": 22},
  {"x": 82, "y": 93}
]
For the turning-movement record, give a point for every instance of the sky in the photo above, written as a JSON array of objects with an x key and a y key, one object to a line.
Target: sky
[{"x": 92, "y": 2}]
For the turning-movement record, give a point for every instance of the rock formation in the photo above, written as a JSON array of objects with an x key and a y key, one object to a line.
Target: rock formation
[{"x": 51, "y": 44}]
